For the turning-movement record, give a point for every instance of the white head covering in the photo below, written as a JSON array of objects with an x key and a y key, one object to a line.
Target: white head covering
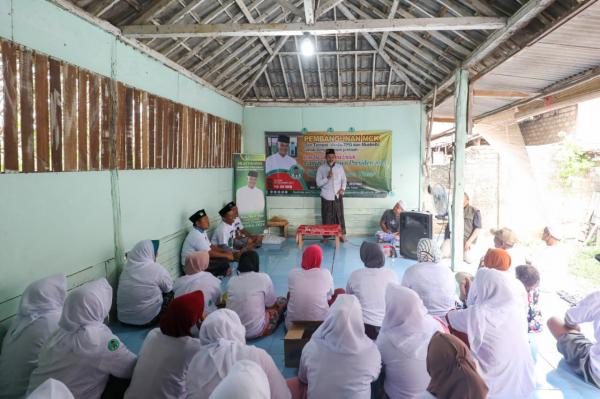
[
  {"x": 140, "y": 256},
  {"x": 406, "y": 318},
  {"x": 245, "y": 380},
  {"x": 222, "y": 324},
  {"x": 84, "y": 312},
  {"x": 493, "y": 300},
  {"x": 51, "y": 389},
  {"x": 343, "y": 330},
  {"x": 42, "y": 297},
  {"x": 427, "y": 251}
]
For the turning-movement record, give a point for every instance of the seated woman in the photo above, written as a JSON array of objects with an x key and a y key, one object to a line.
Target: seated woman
[
  {"x": 144, "y": 286},
  {"x": 453, "y": 370},
  {"x": 580, "y": 353},
  {"x": 252, "y": 296},
  {"x": 433, "y": 281},
  {"x": 368, "y": 285},
  {"x": 245, "y": 380},
  {"x": 83, "y": 352},
  {"x": 51, "y": 389},
  {"x": 402, "y": 342},
  {"x": 339, "y": 361},
  {"x": 167, "y": 351},
  {"x": 36, "y": 320},
  {"x": 223, "y": 344},
  {"x": 196, "y": 278},
  {"x": 310, "y": 289},
  {"x": 496, "y": 327}
]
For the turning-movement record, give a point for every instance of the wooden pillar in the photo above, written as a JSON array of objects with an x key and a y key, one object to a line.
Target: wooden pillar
[{"x": 461, "y": 101}]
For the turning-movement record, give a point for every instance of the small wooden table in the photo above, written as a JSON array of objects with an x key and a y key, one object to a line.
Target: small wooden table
[
  {"x": 318, "y": 230},
  {"x": 282, "y": 224}
]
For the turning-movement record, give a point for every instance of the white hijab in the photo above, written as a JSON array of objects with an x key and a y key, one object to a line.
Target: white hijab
[
  {"x": 83, "y": 315},
  {"x": 245, "y": 380},
  {"x": 406, "y": 324},
  {"x": 140, "y": 257},
  {"x": 222, "y": 334},
  {"x": 51, "y": 389},
  {"x": 343, "y": 330},
  {"x": 494, "y": 301},
  {"x": 40, "y": 298}
]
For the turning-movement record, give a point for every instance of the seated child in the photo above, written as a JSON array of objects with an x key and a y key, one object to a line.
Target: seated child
[{"x": 530, "y": 277}]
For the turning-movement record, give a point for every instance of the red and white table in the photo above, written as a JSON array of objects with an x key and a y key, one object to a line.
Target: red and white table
[{"x": 318, "y": 230}]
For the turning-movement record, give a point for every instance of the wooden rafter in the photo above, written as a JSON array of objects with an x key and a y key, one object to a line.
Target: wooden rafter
[
  {"x": 318, "y": 28},
  {"x": 309, "y": 12}
]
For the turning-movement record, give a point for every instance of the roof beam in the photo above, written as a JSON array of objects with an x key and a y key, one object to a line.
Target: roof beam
[
  {"x": 517, "y": 21},
  {"x": 392, "y": 14},
  {"x": 154, "y": 8},
  {"x": 501, "y": 94},
  {"x": 326, "y": 6},
  {"x": 290, "y": 7},
  {"x": 100, "y": 7},
  {"x": 251, "y": 19},
  {"x": 309, "y": 12},
  {"x": 319, "y": 28}
]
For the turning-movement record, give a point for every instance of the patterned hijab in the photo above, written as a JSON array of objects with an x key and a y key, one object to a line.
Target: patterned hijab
[
  {"x": 427, "y": 251},
  {"x": 452, "y": 369}
]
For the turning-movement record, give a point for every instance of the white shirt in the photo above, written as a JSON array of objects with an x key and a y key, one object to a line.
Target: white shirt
[
  {"x": 249, "y": 294},
  {"x": 84, "y": 373},
  {"x": 141, "y": 285},
  {"x": 368, "y": 285},
  {"x": 552, "y": 263},
  {"x": 162, "y": 366},
  {"x": 51, "y": 389},
  {"x": 330, "y": 187},
  {"x": 36, "y": 320},
  {"x": 223, "y": 234},
  {"x": 276, "y": 161},
  {"x": 203, "y": 281},
  {"x": 250, "y": 200},
  {"x": 83, "y": 352},
  {"x": 245, "y": 380},
  {"x": 588, "y": 310},
  {"x": 309, "y": 292},
  {"x": 435, "y": 284},
  {"x": 517, "y": 257},
  {"x": 237, "y": 224},
  {"x": 196, "y": 240},
  {"x": 425, "y": 395}
]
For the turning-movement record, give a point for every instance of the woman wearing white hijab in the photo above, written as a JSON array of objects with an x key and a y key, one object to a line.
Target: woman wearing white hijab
[
  {"x": 340, "y": 361},
  {"x": 197, "y": 279},
  {"x": 36, "y": 320},
  {"x": 144, "y": 286},
  {"x": 83, "y": 352},
  {"x": 496, "y": 326},
  {"x": 223, "y": 338},
  {"x": 434, "y": 282},
  {"x": 403, "y": 341},
  {"x": 51, "y": 389},
  {"x": 245, "y": 380}
]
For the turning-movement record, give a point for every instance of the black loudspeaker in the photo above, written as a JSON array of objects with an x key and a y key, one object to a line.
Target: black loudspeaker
[{"x": 413, "y": 227}]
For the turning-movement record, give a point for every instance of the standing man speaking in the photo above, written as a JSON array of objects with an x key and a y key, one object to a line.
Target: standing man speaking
[{"x": 331, "y": 179}]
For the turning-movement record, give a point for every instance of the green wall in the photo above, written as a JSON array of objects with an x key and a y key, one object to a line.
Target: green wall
[
  {"x": 362, "y": 214},
  {"x": 63, "y": 222}
]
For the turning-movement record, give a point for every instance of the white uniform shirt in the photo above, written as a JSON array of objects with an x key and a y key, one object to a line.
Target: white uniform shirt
[
  {"x": 162, "y": 366},
  {"x": 85, "y": 374},
  {"x": 196, "y": 240},
  {"x": 203, "y": 281},
  {"x": 588, "y": 311},
  {"x": 249, "y": 199},
  {"x": 368, "y": 285},
  {"x": 309, "y": 292},
  {"x": 83, "y": 352},
  {"x": 223, "y": 235},
  {"x": 141, "y": 285},
  {"x": 435, "y": 284},
  {"x": 237, "y": 224},
  {"x": 330, "y": 187},
  {"x": 249, "y": 294},
  {"x": 276, "y": 161},
  {"x": 51, "y": 389},
  {"x": 36, "y": 320},
  {"x": 517, "y": 257},
  {"x": 425, "y": 395}
]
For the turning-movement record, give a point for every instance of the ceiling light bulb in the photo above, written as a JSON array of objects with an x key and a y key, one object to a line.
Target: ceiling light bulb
[{"x": 307, "y": 46}]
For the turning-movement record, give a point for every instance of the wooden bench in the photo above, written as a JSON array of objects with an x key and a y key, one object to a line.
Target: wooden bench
[{"x": 318, "y": 230}]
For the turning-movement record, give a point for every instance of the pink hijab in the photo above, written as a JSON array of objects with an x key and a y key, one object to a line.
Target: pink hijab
[{"x": 196, "y": 262}]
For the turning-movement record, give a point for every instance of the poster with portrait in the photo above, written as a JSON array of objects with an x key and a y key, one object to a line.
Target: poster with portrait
[
  {"x": 249, "y": 188},
  {"x": 293, "y": 159}
]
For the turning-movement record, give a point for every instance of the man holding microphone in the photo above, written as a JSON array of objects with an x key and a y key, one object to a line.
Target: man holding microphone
[{"x": 331, "y": 179}]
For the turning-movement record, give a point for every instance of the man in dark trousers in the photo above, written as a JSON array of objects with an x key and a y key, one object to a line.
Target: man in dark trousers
[{"x": 331, "y": 179}]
